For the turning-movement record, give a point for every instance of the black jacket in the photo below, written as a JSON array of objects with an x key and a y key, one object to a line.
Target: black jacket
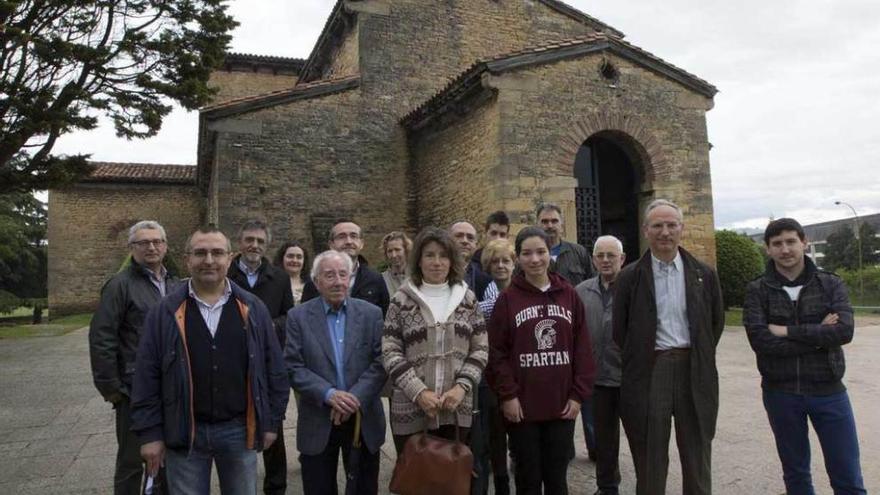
[
  {"x": 116, "y": 327},
  {"x": 634, "y": 321},
  {"x": 476, "y": 279},
  {"x": 368, "y": 286},
  {"x": 810, "y": 359},
  {"x": 573, "y": 263},
  {"x": 272, "y": 287}
]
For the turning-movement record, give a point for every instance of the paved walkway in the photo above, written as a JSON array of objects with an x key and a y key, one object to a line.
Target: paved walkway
[{"x": 56, "y": 433}]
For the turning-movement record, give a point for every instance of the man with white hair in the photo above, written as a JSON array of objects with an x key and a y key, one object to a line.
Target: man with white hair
[
  {"x": 113, "y": 339},
  {"x": 597, "y": 293},
  {"x": 334, "y": 362}
]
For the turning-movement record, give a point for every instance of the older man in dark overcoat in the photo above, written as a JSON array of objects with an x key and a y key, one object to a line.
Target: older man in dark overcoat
[{"x": 668, "y": 317}]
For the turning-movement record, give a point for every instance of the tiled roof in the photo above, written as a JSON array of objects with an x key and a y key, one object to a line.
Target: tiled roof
[
  {"x": 269, "y": 61},
  {"x": 555, "y": 50},
  {"x": 147, "y": 173},
  {"x": 304, "y": 90}
]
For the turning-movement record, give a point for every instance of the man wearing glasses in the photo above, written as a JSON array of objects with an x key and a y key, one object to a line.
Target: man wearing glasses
[
  {"x": 113, "y": 339},
  {"x": 210, "y": 386},
  {"x": 365, "y": 284}
]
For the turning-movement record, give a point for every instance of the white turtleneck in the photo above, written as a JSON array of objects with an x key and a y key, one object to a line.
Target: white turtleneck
[{"x": 437, "y": 298}]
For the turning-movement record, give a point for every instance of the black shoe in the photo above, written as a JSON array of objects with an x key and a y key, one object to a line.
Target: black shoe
[
  {"x": 591, "y": 454},
  {"x": 605, "y": 492},
  {"x": 502, "y": 485}
]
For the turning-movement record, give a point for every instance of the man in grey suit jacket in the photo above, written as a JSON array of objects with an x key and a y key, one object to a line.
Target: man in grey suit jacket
[{"x": 334, "y": 361}]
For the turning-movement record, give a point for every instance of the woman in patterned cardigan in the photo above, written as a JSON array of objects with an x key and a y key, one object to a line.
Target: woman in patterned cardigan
[{"x": 435, "y": 344}]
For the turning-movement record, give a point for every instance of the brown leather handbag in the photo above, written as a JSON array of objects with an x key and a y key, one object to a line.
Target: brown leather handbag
[{"x": 431, "y": 465}]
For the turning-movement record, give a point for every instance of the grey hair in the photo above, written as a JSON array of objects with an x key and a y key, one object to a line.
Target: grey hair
[
  {"x": 607, "y": 238},
  {"x": 657, "y": 203},
  {"x": 548, "y": 206},
  {"x": 145, "y": 225},
  {"x": 256, "y": 225},
  {"x": 330, "y": 253}
]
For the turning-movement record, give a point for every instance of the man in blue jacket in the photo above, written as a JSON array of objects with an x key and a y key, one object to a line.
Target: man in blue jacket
[
  {"x": 797, "y": 318},
  {"x": 334, "y": 360},
  {"x": 210, "y": 385}
]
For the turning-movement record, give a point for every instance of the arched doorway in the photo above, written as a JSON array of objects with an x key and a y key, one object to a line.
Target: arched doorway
[{"x": 607, "y": 169}]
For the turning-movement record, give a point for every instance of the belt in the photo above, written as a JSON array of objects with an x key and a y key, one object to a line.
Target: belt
[{"x": 675, "y": 351}]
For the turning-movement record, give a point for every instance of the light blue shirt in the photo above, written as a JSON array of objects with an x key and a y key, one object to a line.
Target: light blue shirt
[
  {"x": 336, "y": 331},
  {"x": 158, "y": 280},
  {"x": 671, "y": 301},
  {"x": 251, "y": 275}
]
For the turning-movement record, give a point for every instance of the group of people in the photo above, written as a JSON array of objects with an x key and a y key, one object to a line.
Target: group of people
[{"x": 500, "y": 347}]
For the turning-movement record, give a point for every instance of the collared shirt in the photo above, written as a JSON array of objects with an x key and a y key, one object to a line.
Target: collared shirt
[
  {"x": 251, "y": 275},
  {"x": 211, "y": 312},
  {"x": 671, "y": 301},
  {"x": 336, "y": 331},
  {"x": 158, "y": 280}
]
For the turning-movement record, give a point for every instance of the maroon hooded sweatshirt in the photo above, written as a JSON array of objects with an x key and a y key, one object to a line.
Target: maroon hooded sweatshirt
[{"x": 539, "y": 348}]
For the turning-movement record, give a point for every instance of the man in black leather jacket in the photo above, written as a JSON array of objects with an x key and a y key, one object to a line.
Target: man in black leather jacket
[{"x": 113, "y": 339}]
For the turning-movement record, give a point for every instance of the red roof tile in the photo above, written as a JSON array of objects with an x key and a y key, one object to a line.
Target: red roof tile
[{"x": 147, "y": 173}]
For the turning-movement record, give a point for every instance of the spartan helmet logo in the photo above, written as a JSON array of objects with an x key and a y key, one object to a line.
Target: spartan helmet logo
[{"x": 545, "y": 334}]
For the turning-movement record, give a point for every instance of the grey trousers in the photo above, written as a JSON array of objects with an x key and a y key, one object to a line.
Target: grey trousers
[{"x": 671, "y": 397}]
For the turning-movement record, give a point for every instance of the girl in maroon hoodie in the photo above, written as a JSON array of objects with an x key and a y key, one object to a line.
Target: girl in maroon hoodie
[{"x": 540, "y": 366}]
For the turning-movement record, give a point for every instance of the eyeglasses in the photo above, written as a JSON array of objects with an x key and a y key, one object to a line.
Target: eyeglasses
[
  {"x": 349, "y": 235},
  {"x": 203, "y": 253},
  {"x": 606, "y": 256},
  {"x": 148, "y": 242}
]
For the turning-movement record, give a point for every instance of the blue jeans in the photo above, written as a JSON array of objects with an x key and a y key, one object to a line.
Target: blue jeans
[
  {"x": 589, "y": 429},
  {"x": 224, "y": 445},
  {"x": 835, "y": 426}
]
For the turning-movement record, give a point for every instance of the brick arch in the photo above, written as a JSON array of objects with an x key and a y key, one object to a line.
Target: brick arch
[{"x": 631, "y": 134}]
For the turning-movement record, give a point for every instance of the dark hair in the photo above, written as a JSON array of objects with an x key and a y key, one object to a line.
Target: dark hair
[
  {"x": 781, "y": 225},
  {"x": 279, "y": 257},
  {"x": 255, "y": 224},
  {"x": 498, "y": 217},
  {"x": 441, "y": 237},
  {"x": 337, "y": 222},
  {"x": 530, "y": 232},
  {"x": 547, "y": 206},
  {"x": 206, "y": 229}
]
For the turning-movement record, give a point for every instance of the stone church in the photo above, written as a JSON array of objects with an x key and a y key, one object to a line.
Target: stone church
[{"x": 410, "y": 113}]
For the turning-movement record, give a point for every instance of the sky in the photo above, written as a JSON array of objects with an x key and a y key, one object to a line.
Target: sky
[{"x": 795, "y": 123}]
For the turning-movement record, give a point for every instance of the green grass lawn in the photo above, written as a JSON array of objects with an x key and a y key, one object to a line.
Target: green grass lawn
[
  {"x": 22, "y": 311},
  {"x": 55, "y": 328},
  {"x": 733, "y": 317}
]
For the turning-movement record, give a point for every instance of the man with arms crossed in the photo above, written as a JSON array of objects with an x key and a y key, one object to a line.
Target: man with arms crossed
[{"x": 797, "y": 318}]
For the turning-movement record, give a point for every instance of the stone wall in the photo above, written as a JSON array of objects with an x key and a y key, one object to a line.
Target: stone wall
[
  {"x": 302, "y": 164},
  {"x": 88, "y": 234},
  {"x": 344, "y": 60},
  {"x": 412, "y": 48},
  {"x": 236, "y": 84},
  {"x": 547, "y": 112},
  {"x": 453, "y": 169}
]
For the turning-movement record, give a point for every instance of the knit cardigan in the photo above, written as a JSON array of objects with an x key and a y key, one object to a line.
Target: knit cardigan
[{"x": 420, "y": 354}]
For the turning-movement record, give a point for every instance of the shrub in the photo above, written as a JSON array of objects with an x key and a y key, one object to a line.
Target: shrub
[{"x": 739, "y": 261}]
